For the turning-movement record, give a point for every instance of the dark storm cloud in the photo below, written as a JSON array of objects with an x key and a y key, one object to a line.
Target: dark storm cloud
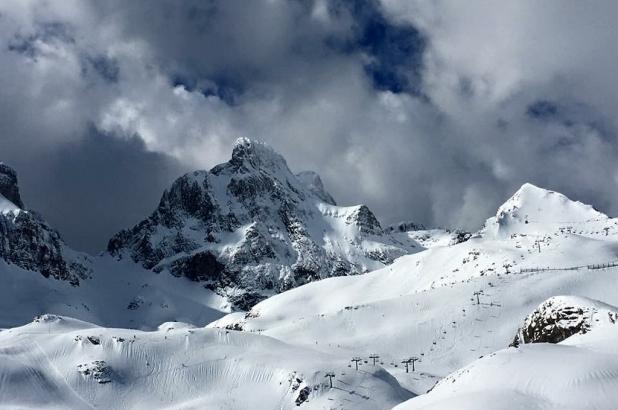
[
  {"x": 430, "y": 111},
  {"x": 233, "y": 44}
]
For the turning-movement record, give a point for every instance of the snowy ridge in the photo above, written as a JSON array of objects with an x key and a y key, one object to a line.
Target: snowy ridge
[
  {"x": 541, "y": 205},
  {"x": 533, "y": 209}
]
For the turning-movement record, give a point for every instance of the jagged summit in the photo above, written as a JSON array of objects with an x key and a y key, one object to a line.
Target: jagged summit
[
  {"x": 250, "y": 228},
  {"x": 8, "y": 186},
  {"x": 256, "y": 154}
]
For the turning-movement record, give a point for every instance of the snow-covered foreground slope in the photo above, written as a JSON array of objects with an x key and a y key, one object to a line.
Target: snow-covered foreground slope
[
  {"x": 580, "y": 372},
  {"x": 449, "y": 305},
  {"x": 58, "y": 362}
]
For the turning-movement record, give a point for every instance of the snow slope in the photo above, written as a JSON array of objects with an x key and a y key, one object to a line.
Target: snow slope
[
  {"x": 426, "y": 304},
  {"x": 120, "y": 294},
  {"x": 59, "y": 362},
  {"x": 580, "y": 372},
  {"x": 532, "y": 210},
  {"x": 447, "y": 305}
]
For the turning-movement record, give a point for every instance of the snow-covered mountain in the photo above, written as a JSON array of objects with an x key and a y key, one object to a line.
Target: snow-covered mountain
[
  {"x": 255, "y": 230},
  {"x": 450, "y": 304},
  {"x": 28, "y": 242},
  {"x": 250, "y": 228},
  {"x": 480, "y": 313},
  {"x": 39, "y": 273},
  {"x": 535, "y": 210}
]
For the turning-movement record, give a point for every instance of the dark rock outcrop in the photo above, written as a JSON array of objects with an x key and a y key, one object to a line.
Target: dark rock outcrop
[
  {"x": 561, "y": 317},
  {"x": 460, "y": 236},
  {"x": 97, "y": 370},
  {"x": 406, "y": 226},
  {"x": 8, "y": 185}
]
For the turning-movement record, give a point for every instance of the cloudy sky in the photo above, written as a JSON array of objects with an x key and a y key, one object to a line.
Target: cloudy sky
[{"x": 427, "y": 111}]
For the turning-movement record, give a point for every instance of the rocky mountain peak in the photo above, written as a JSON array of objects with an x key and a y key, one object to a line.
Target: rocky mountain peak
[
  {"x": 250, "y": 228},
  {"x": 8, "y": 185},
  {"x": 257, "y": 155}
]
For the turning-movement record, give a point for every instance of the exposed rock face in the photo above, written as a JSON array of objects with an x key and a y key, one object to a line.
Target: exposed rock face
[
  {"x": 97, "y": 370},
  {"x": 250, "y": 228},
  {"x": 460, "y": 236},
  {"x": 561, "y": 317},
  {"x": 28, "y": 242},
  {"x": 8, "y": 185},
  {"x": 365, "y": 220}
]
